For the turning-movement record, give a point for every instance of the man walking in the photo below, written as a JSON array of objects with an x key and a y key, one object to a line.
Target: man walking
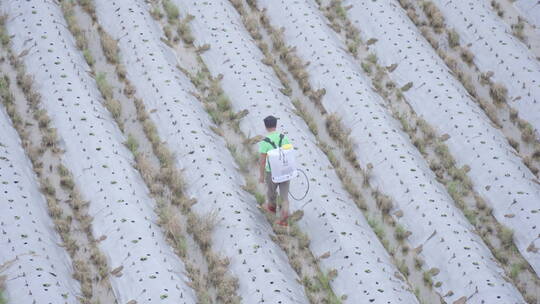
[{"x": 272, "y": 141}]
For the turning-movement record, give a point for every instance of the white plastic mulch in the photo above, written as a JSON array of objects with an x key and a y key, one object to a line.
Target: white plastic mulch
[
  {"x": 331, "y": 219},
  {"x": 530, "y": 9},
  {"x": 119, "y": 201},
  {"x": 497, "y": 50},
  {"x": 497, "y": 172},
  {"x": 439, "y": 229},
  {"x": 242, "y": 233},
  {"x": 37, "y": 269}
]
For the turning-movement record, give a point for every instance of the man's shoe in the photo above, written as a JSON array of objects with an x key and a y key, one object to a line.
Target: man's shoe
[
  {"x": 269, "y": 208},
  {"x": 284, "y": 221}
]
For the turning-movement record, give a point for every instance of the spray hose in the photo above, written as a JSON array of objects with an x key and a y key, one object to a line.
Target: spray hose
[{"x": 307, "y": 189}]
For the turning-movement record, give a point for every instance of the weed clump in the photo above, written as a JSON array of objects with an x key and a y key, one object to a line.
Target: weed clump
[
  {"x": 42, "y": 118},
  {"x": 372, "y": 58},
  {"x": 506, "y": 235},
  {"x": 114, "y": 106},
  {"x": 427, "y": 278},
  {"x": 103, "y": 85},
  {"x": 497, "y": 7},
  {"x": 527, "y": 131},
  {"x": 88, "y": 6},
  {"x": 335, "y": 128},
  {"x": 132, "y": 144},
  {"x": 517, "y": 29},
  {"x": 88, "y": 57},
  {"x": 4, "y": 37},
  {"x": 184, "y": 30},
  {"x": 384, "y": 203},
  {"x": 467, "y": 55},
  {"x": 302, "y": 112},
  {"x": 401, "y": 233},
  {"x": 49, "y": 138},
  {"x": 109, "y": 46},
  {"x": 453, "y": 38},
  {"x": 499, "y": 93},
  {"x": 434, "y": 15},
  {"x": 171, "y": 10},
  {"x": 155, "y": 12}
]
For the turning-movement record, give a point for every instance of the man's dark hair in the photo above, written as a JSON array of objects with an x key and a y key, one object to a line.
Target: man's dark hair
[{"x": 270, "y": 122}]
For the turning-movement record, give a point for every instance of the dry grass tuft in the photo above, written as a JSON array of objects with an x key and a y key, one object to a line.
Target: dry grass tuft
[
  {"x": 434, "y": 15},
  {"x": 453, "y": 38},
  {"x": 121, "y": 71},
  {"x": 166, "y": 158},
  {"x": 469, "y": 85},
  {"x": 115, "y": 107},
  {"x": 88, "y": 57},
  {"x": 49, "y": 138},
  {"x": 100, "y": 261},
  {"x": 184, "y": 30},
  {"x": 42, "y": 118},
  {"x": 132, "y": 144},
  {"x": 444, "y": 155},
  {"x": 485, "y": 78},
  {"x": 513, "y": 115},
  {"x": 427, "y": 278},
  {"x": 497, "y": 7},
  {"x": 170, "y": 177},
  {"x": 170, "y": 220},
  {"x": 73, "y": 26},
  {"x": 302, "y": 112},
  {"x": 25, "y": 82},
  {"x": 401, "y": 233},
  {"x": 384, "y": 203},
  {"x": 171, "y": 10},
  {"x": 109, "y": 46},
  {"x": 155, "y": 12},
  {"x": 67, "y": 182},
  {"x": 202, "y": 228},
  {"x": 506, "y": 235},
  {"x": 88, "y": 6},
  {"x": 55, "y": 211},
  {"x": 372, "y": 58},
  {"x": 466, "y": 55},
  {"x": 418, "y": 263},
  {"x": 340, "y": 134},
  {"x": 252, "y": 26},
  {"x": 518, "y": 27},
  {"x": 536, "y": 154},
  {"x": 336, "y": 129},
  {"x": 514, "y": 143},
  {"x": 103, "y": 85},
  {"x": 527, "y": 131},
  {"x": 129, "y": 90},
  {"x": 499, "y": 93},
  {"x": 4, "y": 36},
  {"x": 144, "y": 167}
]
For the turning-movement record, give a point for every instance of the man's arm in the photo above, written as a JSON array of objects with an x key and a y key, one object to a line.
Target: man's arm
[{"x": 262, "y": 167}]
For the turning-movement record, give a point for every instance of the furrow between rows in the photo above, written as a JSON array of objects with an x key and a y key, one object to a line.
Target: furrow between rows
[
  {"x": 123, "y": 216},
  {"x": 398, "y": 168},
  {"x": 32, "y": 260},
  {"x": 331, "y": 219},
  {"x": 241, "y": 233},
  {"x": 497, "y": 173}
]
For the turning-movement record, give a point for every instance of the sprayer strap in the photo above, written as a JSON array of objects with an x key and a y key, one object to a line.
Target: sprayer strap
[{"x": 268, "y": 140}]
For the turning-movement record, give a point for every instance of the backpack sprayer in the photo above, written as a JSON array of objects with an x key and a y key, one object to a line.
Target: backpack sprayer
[{"x": 282, "y": 162}]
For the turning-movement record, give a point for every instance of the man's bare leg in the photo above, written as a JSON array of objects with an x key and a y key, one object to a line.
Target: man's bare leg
[
  {"x": 284, "y": 195},
  {"x": 270, "y": 194}
]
